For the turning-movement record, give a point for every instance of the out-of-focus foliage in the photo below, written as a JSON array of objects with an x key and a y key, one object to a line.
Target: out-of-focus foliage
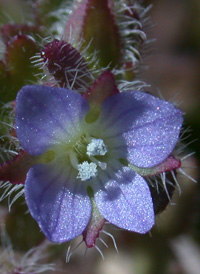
[{"x": 26, "y": 26}]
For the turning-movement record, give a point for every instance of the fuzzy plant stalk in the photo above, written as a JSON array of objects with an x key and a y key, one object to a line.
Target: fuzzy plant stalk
[
  {"x": 82, "y": 138},
  {"x": 13, "y": 262}
]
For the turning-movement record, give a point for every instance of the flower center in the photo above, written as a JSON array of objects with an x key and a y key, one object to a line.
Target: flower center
[{"x": 83, "y": 157}]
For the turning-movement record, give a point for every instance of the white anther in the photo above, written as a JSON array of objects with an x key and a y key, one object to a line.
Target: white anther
[
  {"x": 87, "y": 171},
  {"x": 96, "y": 147}
]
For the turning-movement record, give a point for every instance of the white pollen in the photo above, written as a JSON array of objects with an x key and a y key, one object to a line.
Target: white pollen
[
  {"x": 87, "y": 171},
  {"x": 96, "y": 147},
  {"x": 102, "y": 165}
]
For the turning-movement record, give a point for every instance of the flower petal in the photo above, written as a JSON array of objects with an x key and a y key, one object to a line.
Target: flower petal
[
  {"x": 141, "y": 127},
  {"x": 126, "y": 202},
  {"x": 57, "y": 201},
  {"x": 47, "y": 115}
]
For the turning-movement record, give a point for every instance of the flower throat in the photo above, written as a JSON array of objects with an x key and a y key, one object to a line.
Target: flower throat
[{"x": 83, "y": 157}]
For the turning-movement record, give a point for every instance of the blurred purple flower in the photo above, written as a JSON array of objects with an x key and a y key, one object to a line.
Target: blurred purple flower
[{"x": 77, "y": 156}]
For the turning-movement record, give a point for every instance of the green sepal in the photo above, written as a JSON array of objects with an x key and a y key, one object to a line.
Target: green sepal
[
  {"x": 101, "y": 89},
  {"x": 17, "y": 70},
  {"x": 19, "y": 51},
  {"x": 15, "y": 171},
  {"x": 170, "y": 164},
  {"x": 8, "y": 31},
  {"x": 99, "y": 32},
  {"x": 95, "y": 225}
]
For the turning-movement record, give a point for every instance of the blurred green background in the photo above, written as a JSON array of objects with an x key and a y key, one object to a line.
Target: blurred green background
[{"x": 172, "y": 67}]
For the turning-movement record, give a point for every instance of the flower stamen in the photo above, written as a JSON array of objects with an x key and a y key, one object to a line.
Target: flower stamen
[
  {"x": 87, "y": 148},
  {"x": 102, "y": 165},
  {"x": 73, "y": 159},
  {"x": 87, "y": 171},
  {"x": 96, "y": 147}
]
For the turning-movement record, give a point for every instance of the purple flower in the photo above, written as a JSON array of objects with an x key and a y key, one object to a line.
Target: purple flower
[{"x": 77, "y": 157}]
